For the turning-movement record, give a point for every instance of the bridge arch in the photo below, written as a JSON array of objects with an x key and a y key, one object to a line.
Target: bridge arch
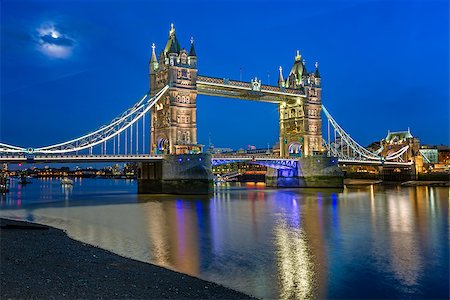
[
  {"x": 295, "y": 149},
  {"x": 163, "y": 144}
]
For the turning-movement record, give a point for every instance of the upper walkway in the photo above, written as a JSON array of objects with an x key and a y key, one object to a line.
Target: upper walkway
[{"x": 254, "y": 90}]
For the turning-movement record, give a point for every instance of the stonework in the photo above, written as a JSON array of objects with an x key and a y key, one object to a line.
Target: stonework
[
  {"x": 300, "y": 120},
  {"x": 174, "y": 118},
  {"x": 177, "y": 174},
  {"x": 318, "y": 172}
]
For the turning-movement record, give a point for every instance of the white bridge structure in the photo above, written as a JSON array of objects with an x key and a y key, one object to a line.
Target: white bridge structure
[{"x": 123, "y": 140}]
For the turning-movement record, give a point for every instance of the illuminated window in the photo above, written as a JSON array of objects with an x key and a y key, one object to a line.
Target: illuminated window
[{"x": 292, "y": 112}]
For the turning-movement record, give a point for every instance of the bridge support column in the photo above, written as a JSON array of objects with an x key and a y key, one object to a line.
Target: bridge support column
[
  {"x": 188, "y": 174},
  {"x": 317, "y": 172}
]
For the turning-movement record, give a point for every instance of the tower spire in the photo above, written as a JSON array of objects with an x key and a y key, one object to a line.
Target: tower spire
[
  {"x": 304, "y": 72},
  {"x": 192, "y": 50},
  {"x": 280, "y": 78},
  {"x": 298, "y": 57},
  {"x": 153, "y": 60},
  {"x": 317, "y": 74},
  {"x": 172, "y": 46},
  {"x": 153, "y": 52}
]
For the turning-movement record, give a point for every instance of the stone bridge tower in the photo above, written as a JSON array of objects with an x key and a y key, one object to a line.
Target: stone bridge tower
[
  {"x": 300, "y": 121},
  {"x": 173, "y": 125}
]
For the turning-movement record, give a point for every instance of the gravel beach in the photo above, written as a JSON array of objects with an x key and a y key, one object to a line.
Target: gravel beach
[{"x": 40, "y": 262}]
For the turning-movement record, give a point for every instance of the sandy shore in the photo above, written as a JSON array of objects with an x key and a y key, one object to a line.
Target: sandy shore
[{"x": 41, "y": 262}]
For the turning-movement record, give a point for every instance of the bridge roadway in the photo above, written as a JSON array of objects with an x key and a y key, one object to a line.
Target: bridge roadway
[{"x": 217, "y": 159}]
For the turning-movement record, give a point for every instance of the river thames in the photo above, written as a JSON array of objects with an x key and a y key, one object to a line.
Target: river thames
[{"x": 362, "y": 242}]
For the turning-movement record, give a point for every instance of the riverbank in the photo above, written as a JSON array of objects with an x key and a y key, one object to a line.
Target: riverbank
[
  {"x": 427, "y": 183},
  {"x": 362, "y": 182},
  {"x": 42, "y": 262},
  {"x": 351, "y": 182}
]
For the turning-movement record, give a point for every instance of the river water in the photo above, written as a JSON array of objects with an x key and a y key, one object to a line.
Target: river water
[{"x": 360, "y": 242}]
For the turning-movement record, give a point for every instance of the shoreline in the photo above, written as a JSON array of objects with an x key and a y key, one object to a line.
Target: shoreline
[
  {"x": 358, "y": 182},
  {"x": 426, "y": 183},
  {"x": 39, "y": 261},
  {"x": 364, "y": 182}
]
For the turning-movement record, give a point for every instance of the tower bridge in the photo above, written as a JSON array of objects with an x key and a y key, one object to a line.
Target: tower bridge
[{"x": 173, "y": 160}]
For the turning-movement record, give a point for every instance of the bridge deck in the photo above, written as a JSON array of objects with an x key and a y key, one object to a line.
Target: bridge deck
[
  {"x": 79, "y": 158},
  {"x": 148, "y": 158},
  {"x": 223, "y": 87}
]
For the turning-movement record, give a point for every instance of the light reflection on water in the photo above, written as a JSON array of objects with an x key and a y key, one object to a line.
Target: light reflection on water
[{"x": 370, "y": 241}]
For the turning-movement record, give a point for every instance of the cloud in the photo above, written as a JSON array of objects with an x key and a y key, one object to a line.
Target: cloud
[
  {"x": 58, "y": 41},
  {"x": 54, "y": 42}
]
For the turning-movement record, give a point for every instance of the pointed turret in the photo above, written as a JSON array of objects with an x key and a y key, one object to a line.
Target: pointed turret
[
  {"x": 192, "y": 50},
  {"x": 172, "y": 46},
  {"x": 173, "y": 49},
  {"x": 280, "y": 78},
  {"x": 297, "y": 71},
  {"x": 317, "y": 74},
  {"x": 153, "y": 60},
  {"x": 298, "y": 57},
  {"x": 192, "y": 58},
  {"x": 305, "y": 72}
]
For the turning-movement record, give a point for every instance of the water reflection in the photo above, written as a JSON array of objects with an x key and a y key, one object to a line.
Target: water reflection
[
  {"x": 404, "y": 259},
  {"x": 66, "y": 190},
  {"x": 367, "y": 241},
  {"x": 296, "y": 274}
]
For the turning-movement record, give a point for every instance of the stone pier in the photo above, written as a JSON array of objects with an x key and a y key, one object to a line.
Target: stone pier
[
  {"x": 188, "y": 174},
  {"x": 315, "y": 171}
]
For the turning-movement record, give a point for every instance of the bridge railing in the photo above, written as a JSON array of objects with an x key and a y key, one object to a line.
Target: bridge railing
[
  {"x": 75, "y": 157},
  {"x": 249, "y": 157},
  {"x": 243, "y": 84}
]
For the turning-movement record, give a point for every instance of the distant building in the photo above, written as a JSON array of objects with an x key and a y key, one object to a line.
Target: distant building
[
  {"x": 395, "y": 141},
  {"x": 429, "y": 154},
  {"x": 374, "y": 146},
  {"x": 436, "y": 158},
  {"x": 214, "y": 150},
  {"x": 443, "y": 154}
]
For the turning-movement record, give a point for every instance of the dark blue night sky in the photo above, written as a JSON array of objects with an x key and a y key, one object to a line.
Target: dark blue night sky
[{"x": 68, "y": 67}]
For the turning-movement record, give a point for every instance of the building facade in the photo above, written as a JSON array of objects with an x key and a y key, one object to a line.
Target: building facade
[
  {"x": 174, "y": 117},
  {"x": 300, "y": 121},
  {"x": 396, "y": 140}
]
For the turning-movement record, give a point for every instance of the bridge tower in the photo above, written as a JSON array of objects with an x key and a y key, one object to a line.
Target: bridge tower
[
  {"x": 300, "y": 120},
  {"x": 173, "y": 126}
]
